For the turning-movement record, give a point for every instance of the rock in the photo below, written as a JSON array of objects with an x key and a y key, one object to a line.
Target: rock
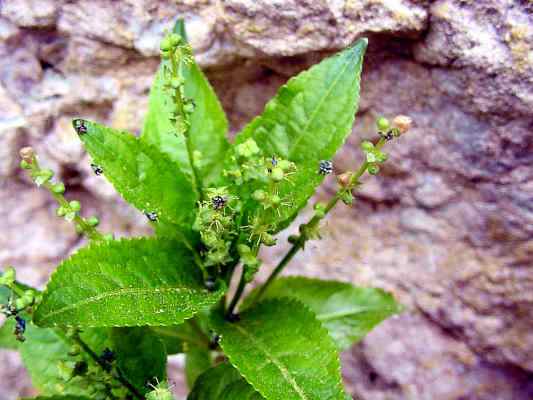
[
  {"x": 31, "y": 13},
  {"x": 447, "y": 225}
]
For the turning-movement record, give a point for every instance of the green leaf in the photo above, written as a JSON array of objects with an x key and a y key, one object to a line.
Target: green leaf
[
  {"x": 208, "y": 123},
  {"x": 197, "y": 361},
  {"x": 283, "y": 351},
  {"x": 223, "y": 382},
  {"x": 193, "y": 332},
  {"x": 43, "y": 351},
  {"x": 308, "y": 121},
  {"x": 7, "y": 338},
  {"x": 141, "y": 356},
  {"x": 347, "y": 311},
  {"x": 144, "y": 281},
  {"x": 57, "y": 398},
  {"x": 144, "y": 176}
]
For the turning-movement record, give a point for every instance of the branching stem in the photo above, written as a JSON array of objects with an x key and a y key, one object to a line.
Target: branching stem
[{"x": 312, "y": 223}]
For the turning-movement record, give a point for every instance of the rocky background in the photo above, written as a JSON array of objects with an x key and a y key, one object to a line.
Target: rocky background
[{"x": 447, "y": 226}]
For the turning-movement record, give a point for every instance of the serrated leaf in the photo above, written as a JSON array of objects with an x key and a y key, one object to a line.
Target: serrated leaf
[
  {"x": 140, "y": 356},
  {"x": 283, "y": 351},
  {"x": 308, "y": 121},
  {"x": 143, "y": 175},
  {"x": 144, "y": 281},
  {"x": 45, "y": 348},
  {"x": 223, "y": 382},
  {"x": 197, "y": 361},
  {"x": 208, "y": 123},
  {"x": 347, "y": 311}
]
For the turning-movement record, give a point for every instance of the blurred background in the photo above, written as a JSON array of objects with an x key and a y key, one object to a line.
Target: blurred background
[{"x": 447, "y": 226}]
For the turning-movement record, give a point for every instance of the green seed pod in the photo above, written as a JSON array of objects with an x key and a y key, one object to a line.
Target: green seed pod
[
  {"x": 160, "y": 392},
  {"x": 247, "y": 149},
  {"x": 21, "y": 303},
  {"x": 373, "y": 169},
  {"x": 382, "y": 124},
  {"x": 347, "y": 198},
  {"x": 43, "y": 176},
  {"x": 275, "y": 200},
  {"x": 267, "y": 239},
  {"x": 93, "y": 221},
  {"x": 25, "y": 165},
  {"x": 285, "y": 165},
  {"x": 8, "y": 277},
  {"x": 79, "y": 229},
  {"x": 29, "y": 296},
  {"x": 65, "y": 370},
  {"x": 367, "y": 146},
  {"x": 259, "y": 195},
  {"x": 58, "y": 188},
  {"x": 277, "y": 174},
  {"x": 166, "y": 44},
  {"x": 175, "y": 39},
  {"x": 61, "y": 211},
  {"x": 381, "y": 157},
  {"x": 75, "y": 205}
]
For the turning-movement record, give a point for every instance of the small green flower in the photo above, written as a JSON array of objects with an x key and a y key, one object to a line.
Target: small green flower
[{"x": 247, "y": 149}]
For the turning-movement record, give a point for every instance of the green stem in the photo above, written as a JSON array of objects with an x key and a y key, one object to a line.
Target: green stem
[
  {"x": 91, "y": 232},
  {"x": 119, "y": 377},
  {"x": 237, "y": 295},
  {"x": 176, "y": 65},
  {"x": 315, "y": 220}
]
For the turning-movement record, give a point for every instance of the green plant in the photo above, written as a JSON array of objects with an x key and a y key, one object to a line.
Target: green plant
[{"x": 113, "y": 311}]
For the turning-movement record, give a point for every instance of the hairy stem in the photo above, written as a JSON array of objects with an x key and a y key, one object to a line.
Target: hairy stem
[{"x": 313, "y": 222}]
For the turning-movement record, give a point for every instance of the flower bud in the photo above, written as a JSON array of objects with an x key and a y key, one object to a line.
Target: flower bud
[
  {"x": 382, "y": 124},
  {"x": 58, "y": 188},
  {"x": 27, "y": 154},
  {"x": 285, "y": 165},
  {"x": 259, "y": 195},
  {"x": 277, "y": 174},
  {"x": 43, "y": 176},
  {"x": 75, "y": 205},
  {"x": 24, "y": 164},
  {"x": 345, "y": 179},
  {"x": 403, "y": 123},
  {"x": 166, "y": 44},
  {"x": 367, "y": 146},
  {"x": 275, "y": 200},
  {"x": 61, "y": 211},
  {"x": 8, "y": 277},
  {"x": 93, "y": 221},
  {"x": 373, "y": 169}
]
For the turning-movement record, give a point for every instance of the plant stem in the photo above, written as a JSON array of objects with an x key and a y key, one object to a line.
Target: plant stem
[
  {"x": 315, "y": 220},
  {"x": 119, "y": 377},
  {"x": 91, "y": 232},
  {"x": 237, "y": 295},
  {"x": 176, "y": 65}
]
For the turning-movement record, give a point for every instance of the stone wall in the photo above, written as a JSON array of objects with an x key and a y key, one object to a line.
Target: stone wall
[{"x": 447, "y": 226}]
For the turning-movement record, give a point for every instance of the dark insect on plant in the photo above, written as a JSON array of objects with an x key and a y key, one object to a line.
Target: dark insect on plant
[
  {"x": 152, "y": 216},
  {"x": 325, "y": 167},
  {"x": 184, "y": 289},
  {"x": 80, "y": 126},
  {"x": 97, "y": 169}
]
